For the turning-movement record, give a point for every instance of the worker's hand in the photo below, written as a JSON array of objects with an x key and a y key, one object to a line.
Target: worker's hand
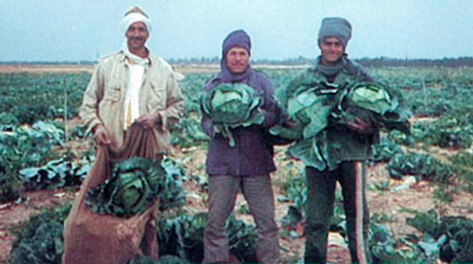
[
  {"x": 360, "y": 126},
  {"x": 290, "y": 123},
  {"x": 149, "y": 120},
  {"x": 101, "y": 135}
]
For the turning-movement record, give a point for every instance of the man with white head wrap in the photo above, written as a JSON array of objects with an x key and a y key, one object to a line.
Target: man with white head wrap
[
  {"x": 129, "y": 104},
  {"x": 133, "y": 15},
  {"x": 132, "y": 87}
]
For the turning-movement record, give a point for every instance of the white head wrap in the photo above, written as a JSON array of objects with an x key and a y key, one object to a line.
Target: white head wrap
[
  {"x": 135, "y": 14},
  {"x": 133, "y": 17}
]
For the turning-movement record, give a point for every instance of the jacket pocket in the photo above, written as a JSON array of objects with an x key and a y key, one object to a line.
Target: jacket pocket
[
  {"x": 157, "y": 96},
  {"x": 112, "y": 94}
]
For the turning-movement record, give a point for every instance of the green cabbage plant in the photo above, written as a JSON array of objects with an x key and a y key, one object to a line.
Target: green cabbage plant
[
  {"x": 133, "y": 186},
  {"x": 40, "y": 239},
  {"x": 232, "y": 105},
  {"x": 452, "y": 236}
]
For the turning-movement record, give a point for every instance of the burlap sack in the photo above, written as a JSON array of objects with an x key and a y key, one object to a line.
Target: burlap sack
[{"x": 103, "y": 239}]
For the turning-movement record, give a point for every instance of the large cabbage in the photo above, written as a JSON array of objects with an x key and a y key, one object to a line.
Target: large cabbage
[
  {"x": 133, "y": 186},
  {"x": 232, "y": 105},
  {"x": 309, "y": 108},
  {"x": 372, "y": 102},
  {"x": 314, "y": 106}
]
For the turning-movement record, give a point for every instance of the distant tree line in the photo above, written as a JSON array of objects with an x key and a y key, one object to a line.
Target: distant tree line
[
  {"x": 368, "y": 62},
  {"x": 445, "y": 62},
  {"x": 200, "y": 61}
]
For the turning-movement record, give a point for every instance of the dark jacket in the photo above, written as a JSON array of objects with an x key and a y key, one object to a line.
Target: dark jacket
[
  {"x": 341, "y": 143},
  {"x": 252, "y": 154}
]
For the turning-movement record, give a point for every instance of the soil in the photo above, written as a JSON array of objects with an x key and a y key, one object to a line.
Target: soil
[
  {"x": 418, "y": 196},
  {"x": 393, "y": 204},
  {"x": 15, "y": 214}
]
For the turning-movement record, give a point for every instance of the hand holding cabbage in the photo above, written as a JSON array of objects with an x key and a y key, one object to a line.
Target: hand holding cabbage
[{"x": 315, "y": 109}]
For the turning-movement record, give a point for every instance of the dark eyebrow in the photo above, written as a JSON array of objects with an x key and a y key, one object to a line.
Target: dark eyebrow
[{"x": 332, "y": 41}]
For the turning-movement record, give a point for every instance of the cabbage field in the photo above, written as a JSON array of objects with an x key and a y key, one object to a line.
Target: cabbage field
[{"x": 420, "y": 185}]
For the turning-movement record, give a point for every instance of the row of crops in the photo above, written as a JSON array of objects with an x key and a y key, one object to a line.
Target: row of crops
[{"x": 33, "y": 110}]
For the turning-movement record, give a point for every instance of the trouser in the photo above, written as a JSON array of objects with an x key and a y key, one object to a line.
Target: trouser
[
  {"x": 320, "y": 202},
  {"x": 258, "y": 193}
]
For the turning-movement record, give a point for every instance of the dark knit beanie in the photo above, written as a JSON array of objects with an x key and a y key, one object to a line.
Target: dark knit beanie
[
  {"x": 238, "y": 38},
  {"x": 335, "y": 27}
]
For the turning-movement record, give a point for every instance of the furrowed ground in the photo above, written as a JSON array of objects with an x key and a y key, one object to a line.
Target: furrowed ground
[{"x": 431, "y": 169}]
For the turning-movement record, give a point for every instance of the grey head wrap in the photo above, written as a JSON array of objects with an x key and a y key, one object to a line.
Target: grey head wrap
[{"x": 335, "y": 27}]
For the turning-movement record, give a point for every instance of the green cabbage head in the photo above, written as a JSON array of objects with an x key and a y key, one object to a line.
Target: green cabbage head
[
  {"x": 133, "y": 186},
  {"x": 232, "y": 105}
]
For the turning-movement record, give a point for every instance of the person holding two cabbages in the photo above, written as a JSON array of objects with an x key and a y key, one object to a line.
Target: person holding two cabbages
[
  {"x": 238, "y": 108},
  {"x": 335, "y": 111}
]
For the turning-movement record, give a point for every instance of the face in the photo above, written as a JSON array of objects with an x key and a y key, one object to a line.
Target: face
[
  {"x": 332, "y": 50},
  {"x": 237, "y": 60},
  {"x": 136, "y": 35}
]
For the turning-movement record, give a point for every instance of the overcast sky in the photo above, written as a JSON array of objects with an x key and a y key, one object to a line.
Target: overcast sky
[{"x": 74, "y": 30}]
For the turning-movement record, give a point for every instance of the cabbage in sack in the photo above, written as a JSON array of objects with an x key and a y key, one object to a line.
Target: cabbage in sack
[{"x": 133, "y": 186}]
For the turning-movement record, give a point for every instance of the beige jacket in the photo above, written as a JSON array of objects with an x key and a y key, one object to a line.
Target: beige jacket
[{"x": 104, "y": 98}]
